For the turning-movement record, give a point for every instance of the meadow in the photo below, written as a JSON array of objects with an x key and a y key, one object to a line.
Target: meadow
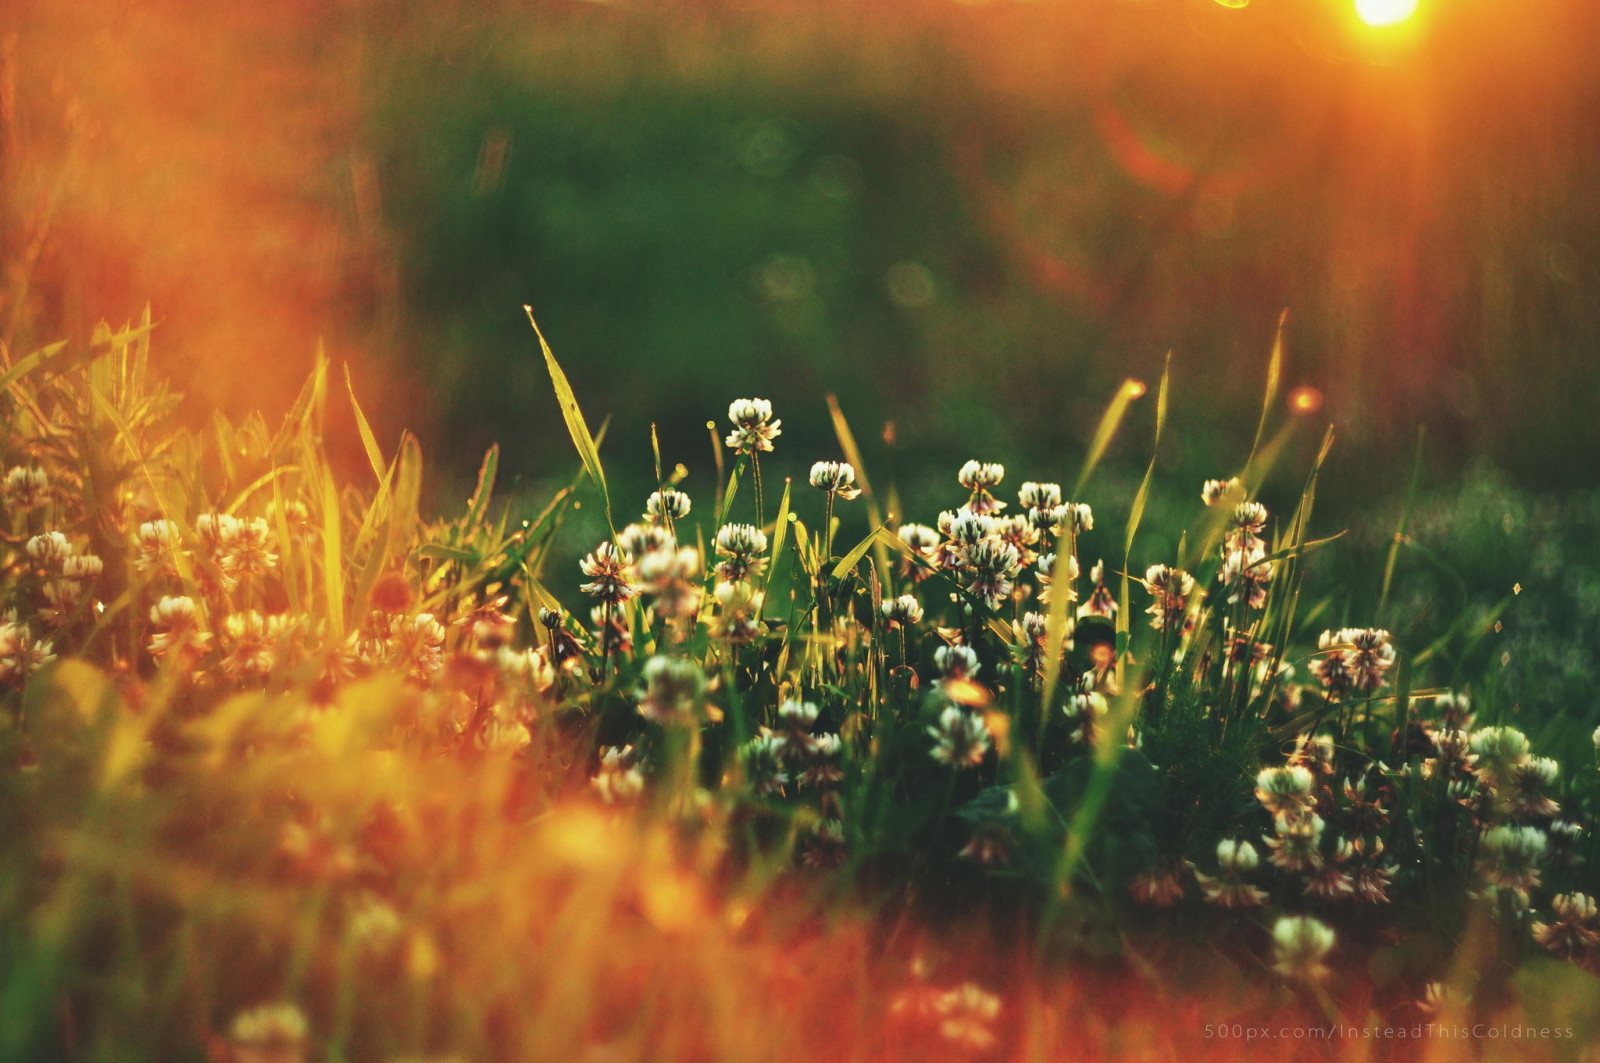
[{"x": 295, "y": 773}]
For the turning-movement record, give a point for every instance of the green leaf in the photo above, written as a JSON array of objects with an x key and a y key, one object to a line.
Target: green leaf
[
  {"x": 1274, "y": 375},
  {"x": 1109, "y": 422},
  {"x": 587, "y": 451},
  {"x": 368, "y": 440}
]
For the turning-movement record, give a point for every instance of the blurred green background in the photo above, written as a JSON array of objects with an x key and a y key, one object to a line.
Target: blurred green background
[{"x": 971, "y": 221}]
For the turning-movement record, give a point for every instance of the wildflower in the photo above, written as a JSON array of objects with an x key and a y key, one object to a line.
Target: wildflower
[
  {"x": 671, "y": 577},
  {"x": 180, "y": 632},
  {"x": 1286, "y": 791},
  {"x": 610, "y": 575},
  {"x": 1229, "y": 890},
  {"x": 21, "y": 654},
  {"x": 253, "y": 639},
  {"x": 966, "y": 1016},
  {"x": 1215, "y": 490},
  {"x": 825, "y": 846},
  {"x": 980, "y": 477},
  {"x": 990, "y": 845},
  {"x": 1160, "y": 886},
  {"x": 1364, "y": 806},
  {"x": 82, "y": 567},
  {"x": 1510, "y": 857},
  {"x": 960, "y": 739},
  {"x": 991, "y": 564},
  {"x": 665, "y": 505},
  {"x": 1500, "y": 752},
  {"x": 1170, "y": 587},
  {"x": 1330, "y": 669},
  {"x": 738, "y": 612},
  {"x": 637, "y": 540},
  {"x": 157, "y": 539},
  {"x": 1044, "y": 572},
  {"x": 904, "y": 611},
  {"x": 1294, "y": 846},
  {"x": 1101, "y": 601},
  {"x": 490, "y": 626},
  {"x": 956, "y": 662},
  {"x": 753, "y": 426},
  {"x": 1250, "y": 518},
  {"x": 26, "y": 488},
  {"x": 244, "y": 548},
  {"x": 823, "y": 768},
  {"x": 1084, "y": 709},
  {"x": 1033, "y": 634},
  {"x": 1039, "y": 496},
  {"x": 527, "y": 668},
  {"x": 417, "y": 645},
  {"x": 1575, "y": 928},
  {"x": 836, "y": 478},
  {"x": 673, "y": 691},
  {"x": 741, "y": 547},
  {"x": 49, "y": 549},
  {"x": 763, "y": 768},
  {"x": 1527, "y": 796},
  {"x": 1369, "y": 658},
  {"x": 1021, "y": 534},
  {"x": 795, "y": 718},
  {"x": 923, "y": 542},
  {"x": 1299, "y": 945},
  {"x": 374, "y": 925},
  {"x": 1329, "y": 880},
  {"x": 619, "y": 779},
  {"x": 1372, "y": 876},
  {"x": 271, "y": 1033}
]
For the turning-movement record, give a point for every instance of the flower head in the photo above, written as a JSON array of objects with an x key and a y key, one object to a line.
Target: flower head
[
  {"x": 835, "y": 477},
  {"x": 753, "y": 426}
]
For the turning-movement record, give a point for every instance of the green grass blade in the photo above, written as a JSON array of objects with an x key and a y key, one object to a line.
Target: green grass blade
[
  {"x": 576, "y": 427},
  {"x": 368, "y": 440},
  {"x": 1107, "y": 429},
  {"x": 1274, "y": 377}
]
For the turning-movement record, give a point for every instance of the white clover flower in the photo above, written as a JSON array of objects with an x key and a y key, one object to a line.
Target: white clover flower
[
  {"x": 1170, "y": 588},
  {"x": 610, "y": 575},
  {"x": 835, "y": 477},
  {"x": 26, "y": 488},
  {"x": 797, "y": 715},
  {"x": 620, "y": 778},
  {"x": 1574, "y": 932},
  {"x": 1039, "y": 496},
  {"x": 961, "y": 739},
  {"x": 179, "y": 621},
  {"x": 1287, "y": 789},
  {"x": 1500, "y": 751},
  {"x": 1510, "y": 857},
  {"x": 665, "y": 504},
  {"x": 1214, "y": 490},
  {"x": 956, "y": 662},
  {"x": 1235, "y": 855},
  {"x": 1294, "y": 846},
  {"x": 981, "y": 475},
  {"x": 1250, "y": 517},
  {"x": 671, "y": 576},
  {"x": 673, "y": 691},
  {"x": 82, "y": 567},
  {"x": 763, "y": 767},
  {"x": 738, "y": 611},
  {"x": 21, "y": 654},
  {"x": 903, "y": 611},
  {"x": 741, "y": 547},
  {"x": 49, "y": 549},
  {"x": 281, "y": 1027},
  {"x": 753, "y": 427},
  {"x": 637, "y": 540},
  {"x": 1299, "y": 945}
]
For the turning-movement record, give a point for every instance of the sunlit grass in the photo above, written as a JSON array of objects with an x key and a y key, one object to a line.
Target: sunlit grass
[{"x": 293, "y": 771}]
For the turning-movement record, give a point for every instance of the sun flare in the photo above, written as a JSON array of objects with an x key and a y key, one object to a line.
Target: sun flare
[{"x": 1385, "y": 12}]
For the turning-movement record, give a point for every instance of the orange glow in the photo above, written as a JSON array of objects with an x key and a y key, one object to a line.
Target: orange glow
[
  {"x": 1134, "y": 388},
  {"x": 1304, "y": 400},
  {"x": 1385, "y": 12}
]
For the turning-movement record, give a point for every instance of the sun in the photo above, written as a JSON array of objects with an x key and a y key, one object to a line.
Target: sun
[{"x": 1385, "y": 12}]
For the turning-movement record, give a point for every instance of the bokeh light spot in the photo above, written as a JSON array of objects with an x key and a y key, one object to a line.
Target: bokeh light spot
[
  {"x": 1305, "y": 400},
  {"x": 1385, "y": 12}
]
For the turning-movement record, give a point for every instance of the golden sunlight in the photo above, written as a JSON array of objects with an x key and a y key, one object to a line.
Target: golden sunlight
[{"x": 1385, "y": 12}]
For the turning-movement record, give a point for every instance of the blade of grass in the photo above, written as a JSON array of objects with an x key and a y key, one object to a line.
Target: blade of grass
[
  {"x": 573, "y": 416},
  {"x": 1274, "y": 376}
]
